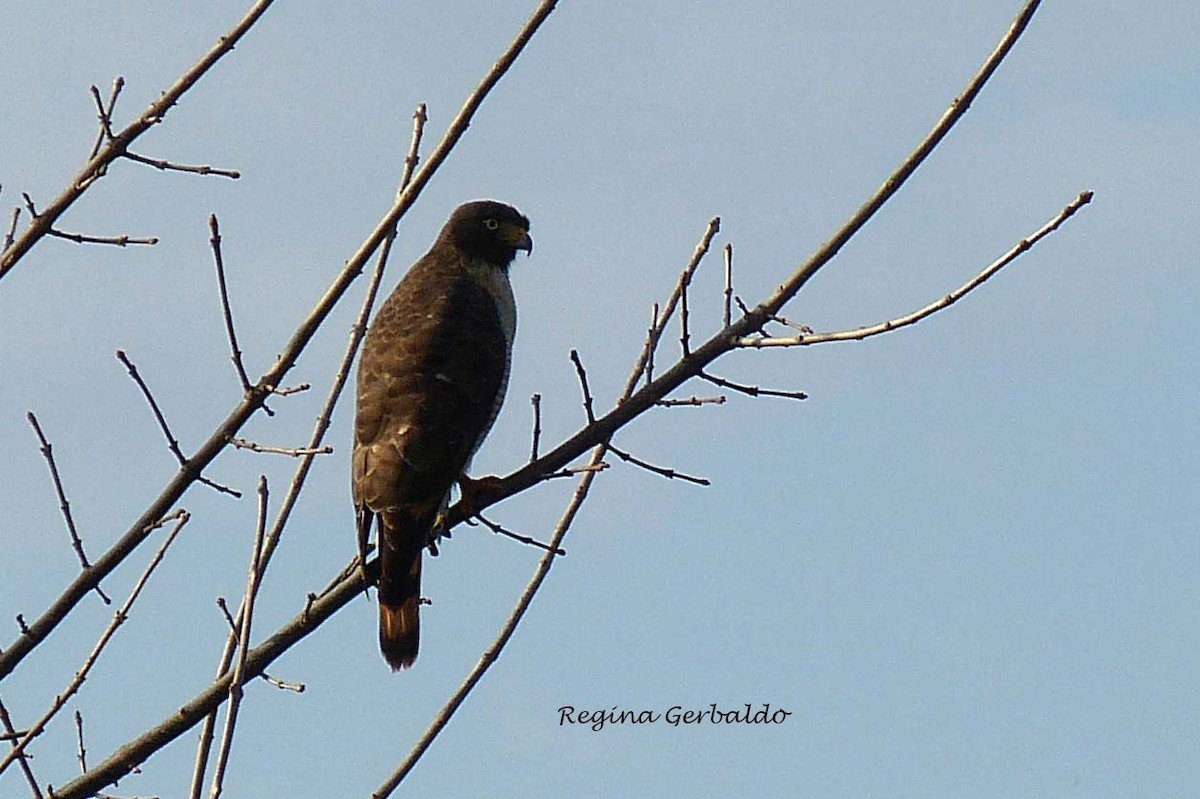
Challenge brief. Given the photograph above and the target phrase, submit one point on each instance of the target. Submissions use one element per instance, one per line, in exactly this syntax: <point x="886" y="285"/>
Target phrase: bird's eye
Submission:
<point x="491" y="224"/>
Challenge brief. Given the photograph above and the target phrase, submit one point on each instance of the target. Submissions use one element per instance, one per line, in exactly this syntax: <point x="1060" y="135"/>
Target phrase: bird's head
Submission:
<point x="489" y="230"/>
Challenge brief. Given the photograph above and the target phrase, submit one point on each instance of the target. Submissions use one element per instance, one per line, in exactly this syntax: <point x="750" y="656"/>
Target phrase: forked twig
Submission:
<point x="172" y="442"/>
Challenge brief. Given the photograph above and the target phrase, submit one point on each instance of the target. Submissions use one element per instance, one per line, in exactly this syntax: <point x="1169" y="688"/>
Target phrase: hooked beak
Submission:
<point x="523" y="241"/>
<point x="518" y="238"/>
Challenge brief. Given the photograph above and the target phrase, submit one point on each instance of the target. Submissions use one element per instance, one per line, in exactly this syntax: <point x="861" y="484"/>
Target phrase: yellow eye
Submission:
<point x="491" y="224"/>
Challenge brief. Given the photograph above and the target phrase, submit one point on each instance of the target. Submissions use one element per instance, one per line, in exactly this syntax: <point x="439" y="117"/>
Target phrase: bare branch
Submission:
<point x="235" y="351"/>
<point x="63" y="504"/>
<point x="288" y="390"/>
<point x="659" y="470"/>
<point x="685" y="280"/>
<point x="81" y="754"/>
<point x="295" y="687"/>
<point x="536" y="402"/>
<point x="122" y="240"/>
<point x="727" y="316"/>
<point x="119" y="617"/>
<point x="172" y="442"/>
<point x="695" y="402"/>
<point x="239" y="671"/>
<point x="119" y="143"/>
<point x="12" y="734"/>
<point x="753" y="391"/>
<point x="651" y="346"/>
<point x="1022" y="247"/>
<point x="195" y="169"/>
<point x="295" y="452"/>
<point x="524" y="539"/>
<point x="82" y="238"/>
<point x="685" y="277"/>
<point x="104" y="114"/>
<point x="12" y="228"/>
<point x="583" y="385"/>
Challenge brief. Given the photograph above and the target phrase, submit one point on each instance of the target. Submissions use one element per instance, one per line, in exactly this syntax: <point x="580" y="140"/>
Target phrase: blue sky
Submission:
<point x="966" y="564"/>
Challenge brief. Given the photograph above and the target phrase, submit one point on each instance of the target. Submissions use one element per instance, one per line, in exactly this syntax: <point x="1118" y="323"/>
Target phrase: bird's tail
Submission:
<point x="402" y="536"/>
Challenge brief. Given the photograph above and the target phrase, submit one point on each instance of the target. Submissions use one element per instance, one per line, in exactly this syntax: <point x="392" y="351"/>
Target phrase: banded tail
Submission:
<point x="402" y="536"/>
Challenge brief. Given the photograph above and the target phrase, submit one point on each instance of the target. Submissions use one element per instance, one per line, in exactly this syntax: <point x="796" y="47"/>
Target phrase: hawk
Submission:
<point x="431" y="379"/>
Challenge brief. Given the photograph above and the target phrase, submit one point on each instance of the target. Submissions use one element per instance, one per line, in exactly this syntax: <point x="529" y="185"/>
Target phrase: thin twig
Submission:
<point x="1023" y="246"/>
<point x="104" y="113"/>
<point x="195" y="169"/>
<point x="672" y="402"/>
<point x="288" y="390"/>
<point x="119" y="143"/>
<point x="524" y="539"/>
<point x="651" y="345"/>
<point x="81" y="754"/>
<point x="117" y="241"/>
<point x="12" y="228"/>
<point x="670" y="474"/>
<point x="753" y="391"/>
<point x="727" y="316"/>
<point x="63" y="504"/>
<point x="12" y="734"/>
<point x="685" y="277"/>
<point x="536" y="402"/>
<point x="226" y="312"/>
<point x="245" y="617"/>
<point x="172" y="442"/>
<point x="583" y="385"/>
<point x="181" y="518"/>
<point x="575" y="471"/>
<point x="294" y="687"/>
<point x="295" y="452"/>
<point x="685" y="280"/>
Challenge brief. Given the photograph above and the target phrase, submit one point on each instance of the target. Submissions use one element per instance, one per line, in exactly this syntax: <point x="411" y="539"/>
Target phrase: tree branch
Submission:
<point x="119" y="143"/>
<point x="1023" y="246"/>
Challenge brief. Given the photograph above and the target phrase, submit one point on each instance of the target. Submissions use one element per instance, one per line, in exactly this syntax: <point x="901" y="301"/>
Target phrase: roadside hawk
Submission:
<point x="431" y="379"/>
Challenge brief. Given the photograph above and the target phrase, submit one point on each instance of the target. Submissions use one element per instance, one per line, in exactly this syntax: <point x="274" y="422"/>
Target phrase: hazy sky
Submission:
<point x="966" y="565"/>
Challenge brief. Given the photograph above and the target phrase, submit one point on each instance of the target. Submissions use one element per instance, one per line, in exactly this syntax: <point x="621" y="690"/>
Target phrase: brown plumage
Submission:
<point x="433" y="373"/>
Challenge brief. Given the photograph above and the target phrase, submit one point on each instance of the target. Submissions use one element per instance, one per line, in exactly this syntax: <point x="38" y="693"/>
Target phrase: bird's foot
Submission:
<point x="476" y="492"/>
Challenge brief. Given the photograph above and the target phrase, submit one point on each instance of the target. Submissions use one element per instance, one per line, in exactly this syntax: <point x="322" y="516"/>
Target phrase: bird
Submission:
<point x="431" y="379"/>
